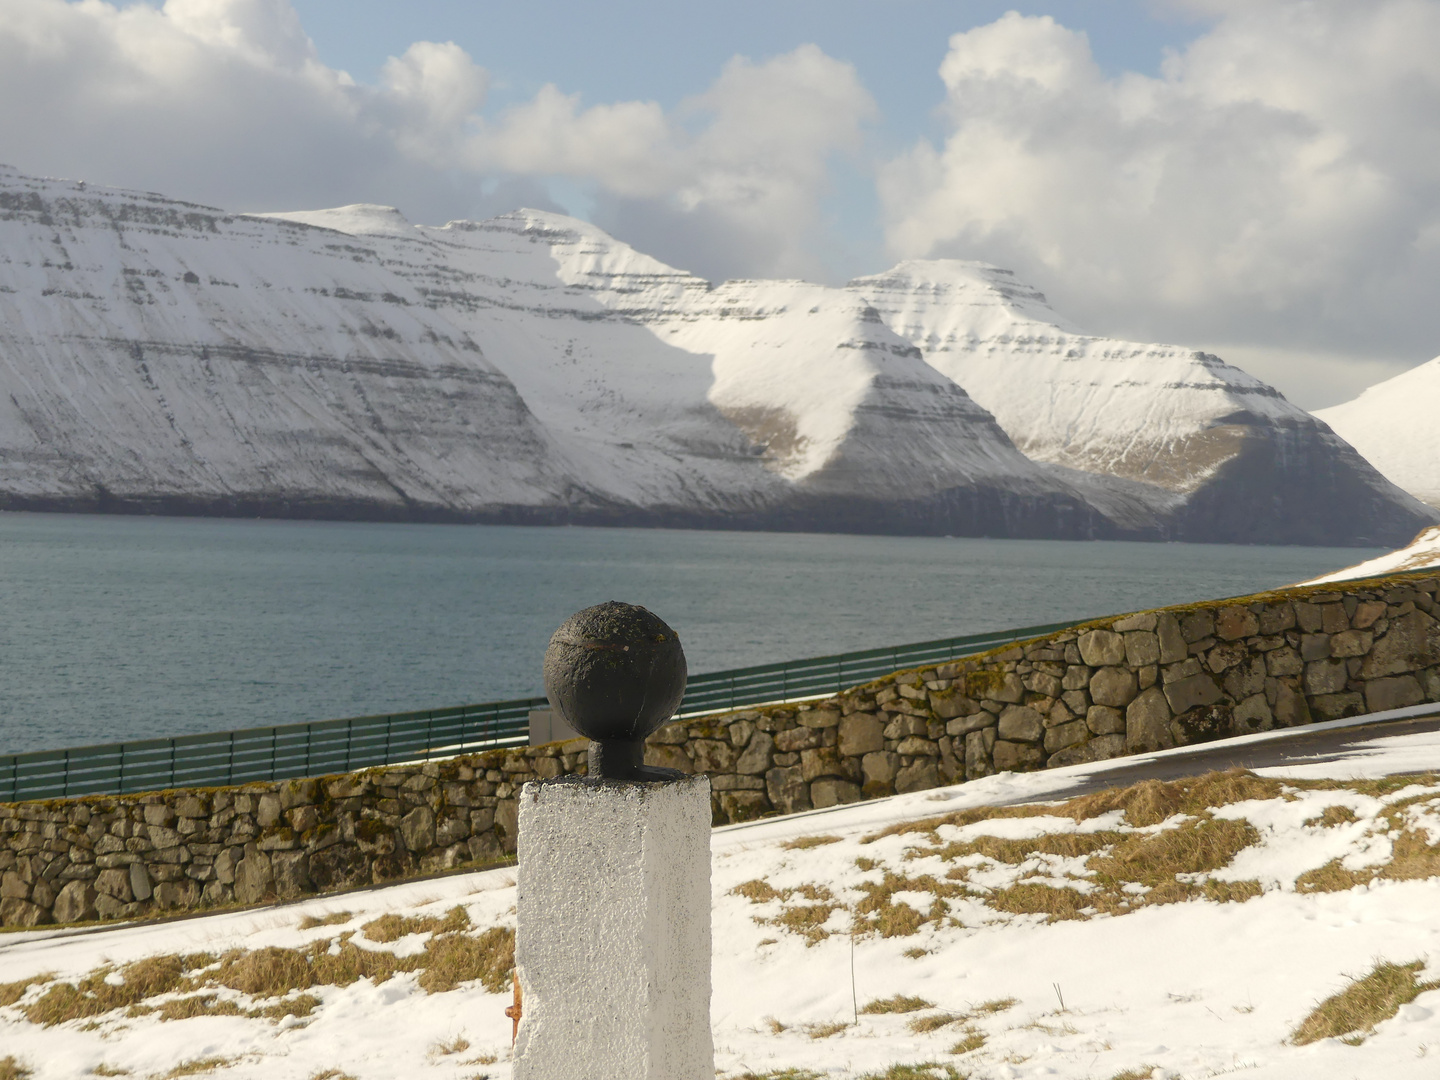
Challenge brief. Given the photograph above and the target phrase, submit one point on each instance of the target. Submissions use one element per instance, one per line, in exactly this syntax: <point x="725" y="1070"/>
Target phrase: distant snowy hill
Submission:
<point x="1396" y="425"/>
<point x="157" y="355"/>
<point x="1223" y="455"/>
<point x="1422" y="553"/>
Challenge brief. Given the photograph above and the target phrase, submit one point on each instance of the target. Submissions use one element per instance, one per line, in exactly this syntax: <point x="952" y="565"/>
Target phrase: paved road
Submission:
<point x="1298" y="748"/>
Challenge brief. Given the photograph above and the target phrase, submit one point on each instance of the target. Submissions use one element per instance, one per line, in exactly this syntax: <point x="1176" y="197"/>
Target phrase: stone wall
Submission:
<point x="1122" y="685"/>
<point x="1116" y="686"/>
<point x="132" y="856"/>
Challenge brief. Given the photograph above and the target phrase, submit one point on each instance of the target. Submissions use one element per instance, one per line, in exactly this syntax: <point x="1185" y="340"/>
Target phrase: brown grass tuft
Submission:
<point x="878" y="913"/>
<point x="784" y="1074"/>
<point x="900" y="1003"/>
<point x="973" y="1040"/>
<point x="756" y="891"/>
<point x="12" y="992"/>
<point x="994" y="1005"/>
<point x="452" y="959"/>
<point x="109" y="1070"/>
<point x="806" y="920"/>
<point x="926" y="1070"/>
<point x="1332" y="877"/>
<point x="199" y="1065"/>
<point x="824" y="1031"/>
<point x="334" y="918"/>
<point x="388" y="928"/>
<point x="1142" y="1072"/>
<point x="11" y="1068"/>
<point x="1038" y="898"/>
<point x="923" y="1025"/>
<point x="93" y="995"/>
<point x="805" y="843"/>
<point x="1364" y="1003"/>
<point x="1232" y="892"/>
<point x="1332" y="816"/>
<point x="331" y="1074"/>
<point x="453" y="1046"/>
<point x="1146" y="803"/>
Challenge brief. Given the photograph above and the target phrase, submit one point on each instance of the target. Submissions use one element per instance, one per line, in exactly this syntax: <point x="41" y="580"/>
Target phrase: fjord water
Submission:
<point x="118" y="628"/>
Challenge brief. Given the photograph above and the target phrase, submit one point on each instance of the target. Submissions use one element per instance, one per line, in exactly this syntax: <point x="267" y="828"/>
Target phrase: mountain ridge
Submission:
<point x="159" y="356"/>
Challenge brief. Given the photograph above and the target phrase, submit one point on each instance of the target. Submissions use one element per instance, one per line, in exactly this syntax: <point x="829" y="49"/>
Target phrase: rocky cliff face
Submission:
<point x="156" y="355"/>
<point x="1214" y="452"/>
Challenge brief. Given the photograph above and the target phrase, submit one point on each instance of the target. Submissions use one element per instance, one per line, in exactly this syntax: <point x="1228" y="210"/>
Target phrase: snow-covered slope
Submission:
<point x="1195" y="927"/>
<point x="157" y="354"/>
<point x="1422" y="553"/>
<point x="1236" y="460"/>
<point x="1396" y="425"/>
<point x="160" y="355"/>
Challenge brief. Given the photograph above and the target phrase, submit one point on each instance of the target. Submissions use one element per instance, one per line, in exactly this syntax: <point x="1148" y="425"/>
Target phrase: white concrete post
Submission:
<point x="613" y="944"/>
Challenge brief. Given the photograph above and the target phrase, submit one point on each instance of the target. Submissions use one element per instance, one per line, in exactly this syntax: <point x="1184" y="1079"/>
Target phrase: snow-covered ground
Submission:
<point x="1422" y="553"/>
<point x="1396" y="425"/>
<point x="1184" y="943"/>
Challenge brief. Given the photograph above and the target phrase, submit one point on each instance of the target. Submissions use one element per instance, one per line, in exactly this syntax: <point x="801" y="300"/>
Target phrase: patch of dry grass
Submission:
<point x="923" y="1025"/>
<point x="994" y="1005"/>
<point x="1364" y="1003"/>
<point x="1201" y="845"/>
<point x="926" y="1070"/>
<point x="109" y="1070"/>
<point x="199" y="1065"/>
<point x="1333" y="816"/>
<point x="451" y="1046"/>
<point x="1143" y="1072"/>
<point x="783" y="1074"/>
<point x="824" y="1031"/>
<point x="1412" y="858"/>
<point x="1147" y="803"/>
<point x="334" y="918"/>
<point x="94" y="994"/>
<point x="1038" y="898"/>
<point x="805" y="843"/>
<point x="331" y="1074"/>
<point x="757" y="891"/>
<point x="388" y="928"/>
<point x="11" y="1068"/>
<point x="878" y="913"/>
<point x="12" y="992"/>
<point x="806" y="920"/>
<point x="973" y="1040"/>
<point x="900" y="1003"/>
<point x="450" y="957"/>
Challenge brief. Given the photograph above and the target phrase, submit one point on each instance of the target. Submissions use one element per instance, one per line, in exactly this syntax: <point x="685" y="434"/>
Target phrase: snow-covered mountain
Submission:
<point x="1396" y="425"/>
<point x="157" y="355"/>
<point x="1221" y="454"/>
<point x="160" y="355"/>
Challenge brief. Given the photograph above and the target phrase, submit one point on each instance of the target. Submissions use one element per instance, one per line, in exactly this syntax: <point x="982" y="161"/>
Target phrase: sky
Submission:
<point x="1258" y="178"/>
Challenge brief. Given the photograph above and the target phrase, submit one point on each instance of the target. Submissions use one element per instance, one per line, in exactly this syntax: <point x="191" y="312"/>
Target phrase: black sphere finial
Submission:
<point x="615" y="672"/>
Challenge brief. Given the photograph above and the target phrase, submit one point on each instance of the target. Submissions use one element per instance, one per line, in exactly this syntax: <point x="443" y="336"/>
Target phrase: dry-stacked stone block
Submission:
<point x="1125" y="685"/>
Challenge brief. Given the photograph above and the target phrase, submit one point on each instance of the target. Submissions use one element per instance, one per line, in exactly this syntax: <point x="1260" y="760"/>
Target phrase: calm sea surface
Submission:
<point x="124" y="627"/>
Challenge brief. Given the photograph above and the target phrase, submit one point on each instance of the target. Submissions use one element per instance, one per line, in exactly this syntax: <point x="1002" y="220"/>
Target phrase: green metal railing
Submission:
<point x="332" y="746"/>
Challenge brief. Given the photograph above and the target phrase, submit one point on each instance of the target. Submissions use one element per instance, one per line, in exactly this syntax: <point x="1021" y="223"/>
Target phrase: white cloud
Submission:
<point x="1276" y="185"/>
<point x="225" y="101"/>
